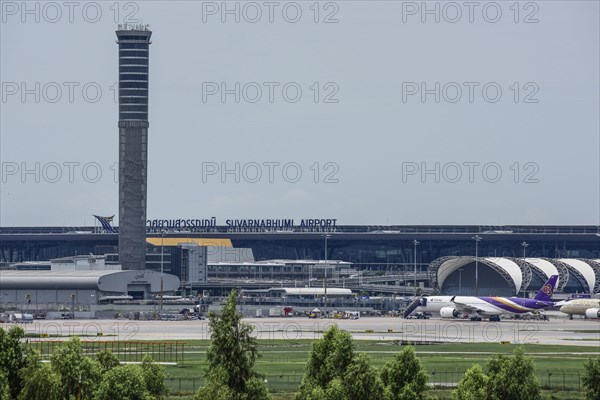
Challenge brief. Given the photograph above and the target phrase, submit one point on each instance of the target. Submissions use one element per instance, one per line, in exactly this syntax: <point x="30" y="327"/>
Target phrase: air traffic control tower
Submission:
<point x="134" y="45"/>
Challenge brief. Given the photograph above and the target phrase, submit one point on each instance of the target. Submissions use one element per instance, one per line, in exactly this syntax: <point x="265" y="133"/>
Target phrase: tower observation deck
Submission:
<point x="134" y="45"/>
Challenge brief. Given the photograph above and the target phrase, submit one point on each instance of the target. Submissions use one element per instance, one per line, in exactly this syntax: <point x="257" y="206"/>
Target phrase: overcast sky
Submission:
<point x="387" y="92"/>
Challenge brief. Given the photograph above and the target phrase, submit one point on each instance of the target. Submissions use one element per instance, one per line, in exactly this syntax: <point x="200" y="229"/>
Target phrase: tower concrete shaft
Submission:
<point x="134" y="45"/>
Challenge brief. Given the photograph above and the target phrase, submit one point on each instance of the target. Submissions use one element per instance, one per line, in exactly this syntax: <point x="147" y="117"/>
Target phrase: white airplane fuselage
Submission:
<point x="587" y="307"/>
<point x="485" y="306"/>
<point x="435" y="304"/>
<point x="489" y="306"/>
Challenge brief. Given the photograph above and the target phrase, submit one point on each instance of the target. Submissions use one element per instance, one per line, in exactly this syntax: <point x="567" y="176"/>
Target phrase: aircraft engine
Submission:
<point x="449" y="312"/>
<point x="593" y="313"/>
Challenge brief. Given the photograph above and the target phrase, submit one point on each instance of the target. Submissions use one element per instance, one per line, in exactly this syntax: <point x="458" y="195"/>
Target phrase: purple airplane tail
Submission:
<point x="545" y="293"/>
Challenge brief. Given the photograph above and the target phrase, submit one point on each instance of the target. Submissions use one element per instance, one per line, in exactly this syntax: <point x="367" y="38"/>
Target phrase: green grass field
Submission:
<point x="282" y="362"/>
<point x="289" y="357"/>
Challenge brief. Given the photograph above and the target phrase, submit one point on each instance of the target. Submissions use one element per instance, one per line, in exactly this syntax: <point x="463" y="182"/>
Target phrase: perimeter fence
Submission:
<point x="170" y="352"/>
<point x="549" y="379"/>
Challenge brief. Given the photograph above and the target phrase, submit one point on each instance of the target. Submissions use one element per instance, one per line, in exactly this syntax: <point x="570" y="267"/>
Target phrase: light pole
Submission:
<point x="416" y="243"/>
<point x="192" y="259"/>
<point x="73" y="305"/>
<point x="162" y="262"/>
<point x="460" y="281"/>
<point x="524" y="244"/>
<point x="325" y="278"/>
<point x="477" y="239"/>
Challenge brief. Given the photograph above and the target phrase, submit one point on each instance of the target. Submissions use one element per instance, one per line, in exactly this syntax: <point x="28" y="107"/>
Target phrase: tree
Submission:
<point x="107" y="360"/>
<point x="329" y="359"/>
<point x="404" y="377"/>
<point x="336" y="390"/>
<point x="231" y="358"/>
<point x="213" y="389"/>
<point x="4" y="388"/>
<point x="75" y="369"/>
<point x="508" y="377"/>
<point x="495" y="364"/>
<point x="125" y="382"/>
<point x="361" y="380"/>
<point x="315" y="393"/>
<point x="41" y="383"/>
<point x="473" y="385"/>
<point x="515" y="379"/>
<point x="334" y="371"/>
<point x="154" y="377"/>
<point x="591" y="379"/>
<point x="13" y="357"/>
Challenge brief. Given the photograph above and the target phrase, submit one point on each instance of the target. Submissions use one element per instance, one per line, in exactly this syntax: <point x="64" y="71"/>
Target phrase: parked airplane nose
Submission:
<point x="564" y="309"/>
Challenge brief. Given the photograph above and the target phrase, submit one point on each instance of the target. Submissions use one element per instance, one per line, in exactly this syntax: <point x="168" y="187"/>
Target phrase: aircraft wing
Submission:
<point x="478" y="308"/>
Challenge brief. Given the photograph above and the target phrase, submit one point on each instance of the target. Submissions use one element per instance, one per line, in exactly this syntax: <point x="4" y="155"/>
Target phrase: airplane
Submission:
<point x="491" y="307"/>
<point x="588" y="307"/>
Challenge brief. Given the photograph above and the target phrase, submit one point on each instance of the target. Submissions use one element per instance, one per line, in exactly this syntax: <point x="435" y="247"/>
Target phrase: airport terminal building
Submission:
<point x="443" y="254"/>
<point x="368" y="246"/>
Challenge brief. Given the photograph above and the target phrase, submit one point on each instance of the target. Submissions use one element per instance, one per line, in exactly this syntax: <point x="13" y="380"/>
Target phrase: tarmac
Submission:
<point x="555" y="331"/>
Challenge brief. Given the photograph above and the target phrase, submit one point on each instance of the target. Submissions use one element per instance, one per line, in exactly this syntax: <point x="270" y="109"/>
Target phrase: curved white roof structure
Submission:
<point x="583" y="268"/>
<point x="516" y="271"/>
<point x="506" y="267"/>
<point x="511" y="267"/>
<point x="545" y="266"/>
<point x="451" y="265"/>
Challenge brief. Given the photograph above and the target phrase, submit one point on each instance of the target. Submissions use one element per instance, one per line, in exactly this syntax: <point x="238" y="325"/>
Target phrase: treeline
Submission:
<point x="334" y="371"/>
<point x="71" y="374"/>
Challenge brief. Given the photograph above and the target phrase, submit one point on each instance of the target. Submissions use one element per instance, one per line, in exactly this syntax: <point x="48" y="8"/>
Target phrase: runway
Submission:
<point x="559" y="331"/>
